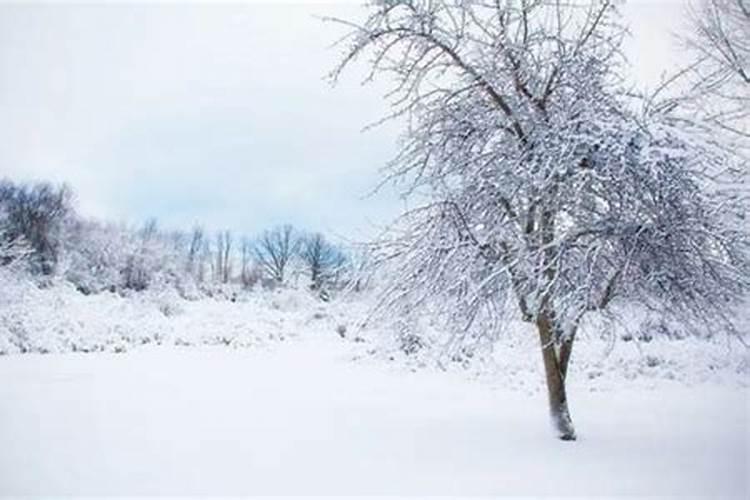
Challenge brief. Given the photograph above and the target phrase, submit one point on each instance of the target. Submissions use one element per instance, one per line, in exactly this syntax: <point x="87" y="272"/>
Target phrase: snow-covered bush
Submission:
<point x="94" y="256"/>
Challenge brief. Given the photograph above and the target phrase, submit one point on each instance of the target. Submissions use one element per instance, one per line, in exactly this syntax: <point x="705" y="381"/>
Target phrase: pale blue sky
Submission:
<point x="213" y="114"/>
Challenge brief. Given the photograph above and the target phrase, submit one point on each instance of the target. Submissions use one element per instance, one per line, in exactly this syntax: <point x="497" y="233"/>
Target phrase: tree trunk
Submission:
<point x="555" y="368"/>
<point x="566" y="348"/>
<point x="315" y="277"/>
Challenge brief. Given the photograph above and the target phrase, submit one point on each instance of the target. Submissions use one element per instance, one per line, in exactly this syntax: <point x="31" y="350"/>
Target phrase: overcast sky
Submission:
<point x="217" y="115"/>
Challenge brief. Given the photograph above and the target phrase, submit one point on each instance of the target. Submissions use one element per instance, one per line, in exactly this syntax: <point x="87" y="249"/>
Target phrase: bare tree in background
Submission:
<point x="223" y="256"/>
<point x="248" y="275"/>
<point x="274" y="249"/>
<point x="36" y="214"/>
<point x="194" y="251"/>
<point x="721" y="41"/>
<point x="542" y="186"/>
<point x="321" y="258"/>
<point x="204" y="257"/>
<point x="138" y="271"/>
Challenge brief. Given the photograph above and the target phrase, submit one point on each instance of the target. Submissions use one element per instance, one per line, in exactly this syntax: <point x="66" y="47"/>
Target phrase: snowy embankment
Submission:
<point x="59" y="319"/>
<point x="279" y="393"/>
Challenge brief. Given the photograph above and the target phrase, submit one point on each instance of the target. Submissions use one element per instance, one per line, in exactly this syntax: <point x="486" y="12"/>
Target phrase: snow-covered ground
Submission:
<point x="279" y="393"/>
<point x="302" y="418"/>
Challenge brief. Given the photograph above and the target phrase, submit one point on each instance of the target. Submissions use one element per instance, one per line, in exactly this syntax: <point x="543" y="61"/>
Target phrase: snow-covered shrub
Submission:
<point x="169" y="305"/>
<point x="100" y="257"/>
<point x="659" y="326"/>
<point x="341" y="330"/>
<point x="94" y="256"/>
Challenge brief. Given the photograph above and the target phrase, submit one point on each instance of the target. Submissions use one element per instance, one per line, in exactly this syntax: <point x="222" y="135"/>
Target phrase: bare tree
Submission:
<point x="321" y="258"/>
<point x="194" y="249"/>
<point x="542" y="187"/>
<point x="248" y="275"/>
<point x="140" y="265"/>
<point x="204" y="256"/>
<point x="223" y="256"/>
<point x="720" y="39"/>
<point x="274" y="249"/>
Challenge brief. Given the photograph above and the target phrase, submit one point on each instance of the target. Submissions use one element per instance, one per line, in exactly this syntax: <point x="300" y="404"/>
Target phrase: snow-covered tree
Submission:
<point x="14" y="250"/>
<point x="357" y="271"/>
<point x="95" y="255"/>
<point x="36" y="214"/>
<point x="223" y="256"/>
<point x="541" y="185"/>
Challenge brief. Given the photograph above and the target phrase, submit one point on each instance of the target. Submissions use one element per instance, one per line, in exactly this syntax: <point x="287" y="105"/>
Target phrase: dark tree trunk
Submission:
<point x="315" y="277"/>
<point x="555" y="368"/>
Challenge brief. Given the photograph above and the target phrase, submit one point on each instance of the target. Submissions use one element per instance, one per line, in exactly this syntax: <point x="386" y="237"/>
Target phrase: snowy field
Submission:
<point x="304" y="411"/>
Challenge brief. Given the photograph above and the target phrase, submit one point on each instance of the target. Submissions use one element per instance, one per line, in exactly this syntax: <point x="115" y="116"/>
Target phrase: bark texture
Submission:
<point x="556" y="355"/>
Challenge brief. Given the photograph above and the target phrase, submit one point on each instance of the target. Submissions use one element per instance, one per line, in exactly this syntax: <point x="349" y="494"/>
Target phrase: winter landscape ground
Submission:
<point x="265" y="396"/>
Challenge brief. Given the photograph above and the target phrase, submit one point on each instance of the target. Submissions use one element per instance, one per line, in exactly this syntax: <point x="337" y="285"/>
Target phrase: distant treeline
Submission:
<point x="42" y="234"/>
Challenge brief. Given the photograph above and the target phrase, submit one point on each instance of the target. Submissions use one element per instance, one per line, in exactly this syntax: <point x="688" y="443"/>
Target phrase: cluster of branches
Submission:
<point x="720" y="40"/>
<point x="545" y="181"/>
<point x="40" y="228"/>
